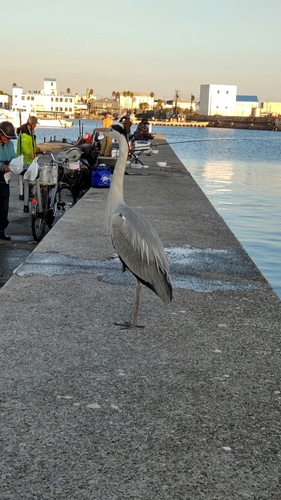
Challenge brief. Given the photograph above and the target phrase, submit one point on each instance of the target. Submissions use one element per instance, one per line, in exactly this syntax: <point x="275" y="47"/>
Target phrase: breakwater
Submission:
<point x="234" y="122"/>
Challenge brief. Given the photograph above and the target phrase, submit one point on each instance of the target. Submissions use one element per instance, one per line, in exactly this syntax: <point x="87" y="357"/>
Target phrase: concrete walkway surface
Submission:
<point x="187" y="407"/>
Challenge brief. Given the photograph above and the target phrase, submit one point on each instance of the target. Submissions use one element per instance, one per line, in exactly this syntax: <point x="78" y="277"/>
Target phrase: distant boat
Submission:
<point x="54" y="123"/>
<point x="13" y="116"/>
<point x="50" y="120"/>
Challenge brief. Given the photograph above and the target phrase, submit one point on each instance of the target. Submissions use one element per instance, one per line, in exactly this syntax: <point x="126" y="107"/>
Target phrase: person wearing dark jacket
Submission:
<point x="142" y="132"/>
<point x="127" y="124"/>
<point x="7" y="153"/>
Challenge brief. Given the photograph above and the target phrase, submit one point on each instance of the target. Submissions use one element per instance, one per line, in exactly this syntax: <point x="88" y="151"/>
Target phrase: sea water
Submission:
<point x="239" y="171"/>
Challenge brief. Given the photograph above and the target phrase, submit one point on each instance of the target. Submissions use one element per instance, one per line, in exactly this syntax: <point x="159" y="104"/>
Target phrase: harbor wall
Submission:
<point x="234" y="122"/>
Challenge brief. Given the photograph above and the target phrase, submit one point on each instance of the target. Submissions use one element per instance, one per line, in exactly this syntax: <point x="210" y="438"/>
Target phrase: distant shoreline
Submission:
<point x="232" y="122"/>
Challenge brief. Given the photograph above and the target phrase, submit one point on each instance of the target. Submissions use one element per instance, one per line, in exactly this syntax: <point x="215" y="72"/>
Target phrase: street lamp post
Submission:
<point x="176" y="103"/>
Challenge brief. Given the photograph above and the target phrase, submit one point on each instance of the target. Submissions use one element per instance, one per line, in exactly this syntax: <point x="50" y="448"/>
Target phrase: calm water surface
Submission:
<point x="240" y="172"/>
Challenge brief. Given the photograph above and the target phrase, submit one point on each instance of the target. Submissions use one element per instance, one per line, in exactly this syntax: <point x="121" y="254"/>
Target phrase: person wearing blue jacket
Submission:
<point x="7" y="153"/>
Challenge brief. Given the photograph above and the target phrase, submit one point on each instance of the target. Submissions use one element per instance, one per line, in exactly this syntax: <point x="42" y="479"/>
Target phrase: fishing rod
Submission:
<point x="207" y="140"/>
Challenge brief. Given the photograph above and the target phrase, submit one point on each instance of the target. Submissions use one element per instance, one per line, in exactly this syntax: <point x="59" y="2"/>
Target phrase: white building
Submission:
<point x="217" y="100"/>
<point x="5" y="101"/>
<point x="133" y="100"/>
<point x="247" y="105"/>
<point x="223" y="100"/>
<point x="47" y="100"/>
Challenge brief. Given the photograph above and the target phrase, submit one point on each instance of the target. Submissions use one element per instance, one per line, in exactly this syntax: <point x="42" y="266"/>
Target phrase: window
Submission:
<point x="218" y="91"/>
<point x="227" y="91"/>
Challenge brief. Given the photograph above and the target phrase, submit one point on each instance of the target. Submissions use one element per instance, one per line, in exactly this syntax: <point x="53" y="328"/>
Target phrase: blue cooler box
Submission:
<point x="101" y="177"/>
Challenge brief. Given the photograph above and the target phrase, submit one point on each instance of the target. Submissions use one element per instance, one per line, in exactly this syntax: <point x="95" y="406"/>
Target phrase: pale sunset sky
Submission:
<point x="142" y="46"/>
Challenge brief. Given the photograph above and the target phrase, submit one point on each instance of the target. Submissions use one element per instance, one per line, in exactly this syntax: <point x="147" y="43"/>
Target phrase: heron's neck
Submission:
<point x="118" y="175"/>
<point x="115" y="195"/>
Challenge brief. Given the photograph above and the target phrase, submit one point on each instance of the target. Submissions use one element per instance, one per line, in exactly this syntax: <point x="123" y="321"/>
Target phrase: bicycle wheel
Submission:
<point x="81" y="184"/>
<point x="64" y="197"/>
<point x="38" y="220"/>
<point x="51" y="207"/>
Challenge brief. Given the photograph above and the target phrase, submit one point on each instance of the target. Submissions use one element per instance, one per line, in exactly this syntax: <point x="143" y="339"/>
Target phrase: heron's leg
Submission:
<point x="135" y="320"/>
<point x="137" y="303"/>
<point x="125" y="326"/>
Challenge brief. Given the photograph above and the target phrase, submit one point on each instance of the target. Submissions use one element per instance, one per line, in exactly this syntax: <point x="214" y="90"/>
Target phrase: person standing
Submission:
<point x="106" y="144"/>
<point x="26" y="146"/>
<point x="126" y="120"/>
<point x="7" y="153"/>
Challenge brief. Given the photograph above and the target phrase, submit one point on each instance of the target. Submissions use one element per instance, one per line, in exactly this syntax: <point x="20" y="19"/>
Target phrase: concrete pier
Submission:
<point x="187" y="407"/>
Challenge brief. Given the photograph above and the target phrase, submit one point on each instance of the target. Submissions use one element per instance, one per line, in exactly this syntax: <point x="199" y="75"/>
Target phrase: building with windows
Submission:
<point x="134" y="100"/>
<point x="218" y="100"/>
<point x="47" y="100"/>
<point x="247" y="105"/>
<point x="5" y="101"/>
<point x="223" y="100"/>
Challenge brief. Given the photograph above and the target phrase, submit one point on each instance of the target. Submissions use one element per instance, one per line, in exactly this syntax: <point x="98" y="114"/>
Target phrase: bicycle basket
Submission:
<point x="48" y="174"/>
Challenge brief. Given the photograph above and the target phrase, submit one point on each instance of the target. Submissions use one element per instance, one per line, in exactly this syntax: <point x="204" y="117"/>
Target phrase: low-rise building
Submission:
<point x="247" y="105"/>
<point x="217" y="100"/>
<point x="5" y="101"/>
<point x="272" y="108"/>
<point x="182" y="104"/>
<point x="134" y="100"/>
<point x="223" y="100"/>
<point x="46" y="100"/>
<point x="105" y="105"/>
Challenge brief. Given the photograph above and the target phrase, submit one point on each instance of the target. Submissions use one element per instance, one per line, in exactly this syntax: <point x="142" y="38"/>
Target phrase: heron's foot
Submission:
<point x="126" y="326"/>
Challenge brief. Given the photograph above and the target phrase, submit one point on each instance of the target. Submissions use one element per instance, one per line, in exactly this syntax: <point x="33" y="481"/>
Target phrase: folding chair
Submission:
<point x="136" y="149"/>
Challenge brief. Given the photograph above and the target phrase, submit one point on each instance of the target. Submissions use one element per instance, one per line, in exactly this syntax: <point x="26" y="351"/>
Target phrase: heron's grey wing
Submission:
<point x="140" y="248"/>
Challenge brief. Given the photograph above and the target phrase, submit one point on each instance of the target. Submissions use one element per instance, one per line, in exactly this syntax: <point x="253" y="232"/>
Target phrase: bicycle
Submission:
<point x="45" y="197"/>
<point x="43" y="192"/>
<point x="57" y="182"/>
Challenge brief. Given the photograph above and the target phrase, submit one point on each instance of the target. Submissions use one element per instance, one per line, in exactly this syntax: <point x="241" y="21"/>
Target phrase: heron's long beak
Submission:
<point x="103" y="129"/>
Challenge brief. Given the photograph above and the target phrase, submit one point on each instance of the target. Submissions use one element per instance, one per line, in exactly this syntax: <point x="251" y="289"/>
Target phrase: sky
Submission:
<point x="142" y="46"/>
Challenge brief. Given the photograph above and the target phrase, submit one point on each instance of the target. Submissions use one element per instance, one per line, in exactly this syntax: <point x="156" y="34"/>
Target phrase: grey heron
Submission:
<point x="136" y="242"/>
